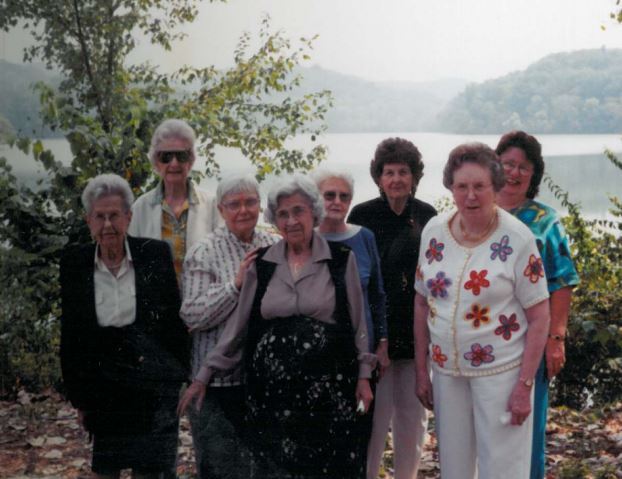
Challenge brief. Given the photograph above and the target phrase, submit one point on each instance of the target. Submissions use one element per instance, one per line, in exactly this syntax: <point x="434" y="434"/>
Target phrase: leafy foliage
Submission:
<point x="576" y="92"/>
<point x="107" y="110"/>
<point x="593" y="371"/>
<point x="592" y="374"/>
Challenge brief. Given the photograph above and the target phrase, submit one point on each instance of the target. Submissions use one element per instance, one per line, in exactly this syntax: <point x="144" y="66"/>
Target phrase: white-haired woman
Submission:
<point x="214" y="271"/>
<point x="300" y="323"/>
<point x="175" y="211"/>
<point x="337" y="189"/>
<point x="123" y="346"/>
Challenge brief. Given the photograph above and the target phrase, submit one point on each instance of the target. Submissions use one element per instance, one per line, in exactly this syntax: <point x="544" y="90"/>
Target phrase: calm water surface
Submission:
<point x="575" y="162"/>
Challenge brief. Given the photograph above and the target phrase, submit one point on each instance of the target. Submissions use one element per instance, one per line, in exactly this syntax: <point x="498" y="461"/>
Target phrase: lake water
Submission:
<point x="575" y="162"/>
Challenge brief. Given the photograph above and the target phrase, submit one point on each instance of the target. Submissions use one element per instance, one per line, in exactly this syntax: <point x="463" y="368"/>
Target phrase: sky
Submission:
<point x="395" y="40"/>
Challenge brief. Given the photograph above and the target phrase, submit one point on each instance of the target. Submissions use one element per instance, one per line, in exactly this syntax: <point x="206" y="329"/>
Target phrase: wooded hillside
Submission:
<point x="576" y="92"/>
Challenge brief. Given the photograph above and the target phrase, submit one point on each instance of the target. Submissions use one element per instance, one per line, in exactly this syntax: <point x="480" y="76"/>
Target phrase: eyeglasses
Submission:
<point x="464" y="188"/>
<point x="331" y="195"/>
<point x="183" y="156"/>
<point x="112" y="218"/>
<point x="522" y="169"/>
<point x="235" y="205"/>
<point x="295" y="212"/>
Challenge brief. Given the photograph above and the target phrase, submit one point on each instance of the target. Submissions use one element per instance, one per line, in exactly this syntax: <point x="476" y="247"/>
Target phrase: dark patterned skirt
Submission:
<point x="148" y="443"/>
<point x="301" y="383"/>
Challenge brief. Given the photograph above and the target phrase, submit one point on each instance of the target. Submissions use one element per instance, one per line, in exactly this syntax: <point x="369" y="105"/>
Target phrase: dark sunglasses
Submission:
<point x="183" y="156"/>
<point x="331" y="195"/>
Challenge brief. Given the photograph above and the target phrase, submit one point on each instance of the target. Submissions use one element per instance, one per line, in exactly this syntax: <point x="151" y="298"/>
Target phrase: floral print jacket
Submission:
<point x="477" y="296"/>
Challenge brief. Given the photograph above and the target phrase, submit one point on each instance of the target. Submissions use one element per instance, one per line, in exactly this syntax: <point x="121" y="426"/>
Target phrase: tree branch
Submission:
<point x="89" y="71"/>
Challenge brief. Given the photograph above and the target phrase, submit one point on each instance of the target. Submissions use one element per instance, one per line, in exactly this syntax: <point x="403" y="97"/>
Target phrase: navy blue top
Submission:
<point x="363" y="244"/>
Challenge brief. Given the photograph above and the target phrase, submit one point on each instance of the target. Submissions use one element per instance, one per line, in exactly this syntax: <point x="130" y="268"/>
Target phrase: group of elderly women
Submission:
<point x="296" y="336"/>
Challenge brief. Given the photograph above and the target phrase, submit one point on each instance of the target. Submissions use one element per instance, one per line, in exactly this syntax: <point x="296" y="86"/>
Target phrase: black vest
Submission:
<point x="337" y="266"/>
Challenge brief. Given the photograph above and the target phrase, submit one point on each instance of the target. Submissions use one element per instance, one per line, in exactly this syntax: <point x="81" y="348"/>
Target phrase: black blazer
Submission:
<point x="116" y="374"/>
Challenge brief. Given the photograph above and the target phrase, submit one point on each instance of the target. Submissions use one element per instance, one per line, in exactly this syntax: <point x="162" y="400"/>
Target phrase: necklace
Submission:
<point x="468" y="236"/>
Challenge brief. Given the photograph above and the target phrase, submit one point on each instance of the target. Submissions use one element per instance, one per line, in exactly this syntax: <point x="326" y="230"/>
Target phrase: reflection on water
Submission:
<point x="575" y="162"/>
<point x="589" y="180"/>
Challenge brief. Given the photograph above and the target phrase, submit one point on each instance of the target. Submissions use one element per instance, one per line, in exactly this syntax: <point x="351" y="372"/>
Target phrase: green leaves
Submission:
<point x="594" y="345"/>
<point x="107" y="110"/>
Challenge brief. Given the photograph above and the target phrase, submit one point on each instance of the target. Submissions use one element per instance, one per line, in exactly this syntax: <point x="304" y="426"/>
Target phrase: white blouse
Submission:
<point x="477" y="296"/>
<point x="115" y="296"/>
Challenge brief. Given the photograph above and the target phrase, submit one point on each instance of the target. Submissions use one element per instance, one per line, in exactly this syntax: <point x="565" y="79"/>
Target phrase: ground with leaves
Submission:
<point x="40" y="437"/>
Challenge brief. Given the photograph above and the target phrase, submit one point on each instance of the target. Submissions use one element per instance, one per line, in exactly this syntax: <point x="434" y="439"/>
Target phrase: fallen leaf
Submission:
<point x="78" y="462"/>
<point x="55" y="441"/>
<point x="36" y="441"/>
<point x="18" y="426"/>
<point x="23" y="397"/>
<point x="66" y="412"/>
<point x="53" y="454"/>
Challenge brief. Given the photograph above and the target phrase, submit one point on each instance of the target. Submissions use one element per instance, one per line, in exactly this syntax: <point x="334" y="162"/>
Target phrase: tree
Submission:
<point x="107" y="110"/>
<point x="592" y="375"/>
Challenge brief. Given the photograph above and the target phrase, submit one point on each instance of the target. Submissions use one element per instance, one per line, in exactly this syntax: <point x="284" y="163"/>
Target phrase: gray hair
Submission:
<point x="291" y="185"/>
<point x="107" y="184"/>
<point x="172" y="129"/>
<point x="323" y="174"/>
<point x="236" y="184"/>
<point x="476" y="153"/>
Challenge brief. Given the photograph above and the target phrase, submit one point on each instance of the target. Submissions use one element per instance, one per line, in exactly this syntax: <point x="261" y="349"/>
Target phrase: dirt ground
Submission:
<point x="40" y="437"/>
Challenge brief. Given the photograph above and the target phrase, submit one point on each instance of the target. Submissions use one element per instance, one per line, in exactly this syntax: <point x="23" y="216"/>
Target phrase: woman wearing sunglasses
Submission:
<point x="337" y="189"/>
<point x="175" y="211"/>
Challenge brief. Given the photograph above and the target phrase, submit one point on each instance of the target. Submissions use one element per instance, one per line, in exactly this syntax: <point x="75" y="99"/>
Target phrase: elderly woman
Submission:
<point x="175" y="211"/>
<point x="300" y="322"/>
<point x="521" y="157"/>
<point x="123" y="346"/>
<point x="396" y="218"/>
<point x="337" y="189"/>
<point x="482" y="315"/>
<point x="214" y="271"/>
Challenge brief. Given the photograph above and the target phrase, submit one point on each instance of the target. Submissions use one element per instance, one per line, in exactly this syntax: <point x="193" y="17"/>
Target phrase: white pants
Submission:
<point x="397" y="404"/>
<point x="473" y="429"/>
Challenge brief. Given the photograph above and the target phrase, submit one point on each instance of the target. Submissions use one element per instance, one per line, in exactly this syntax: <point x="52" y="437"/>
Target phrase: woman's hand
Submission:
<point x="555" y="353"/>
<point x="382" y="353"/>
<point x="195" y="390"/>
<point x="519" y="404"/>
<point x="423" y="384"/>
<point x="423" y="389"/>
<point x="244" y="265"/>
<point x="363" y="393"/>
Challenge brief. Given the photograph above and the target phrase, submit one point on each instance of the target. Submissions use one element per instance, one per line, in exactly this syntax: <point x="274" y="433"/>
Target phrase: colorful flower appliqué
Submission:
<point x="508" y="325"/>
<point x="534" y="270"/>
<point x="479" y="354"/>
<point x="478" y="315"/>
<point x="477" y="281"/>
<point x="435" y="251"/>
<point x="502" y="249"/>
<point x="438" y="356"/>
<point x="438" y="285"/>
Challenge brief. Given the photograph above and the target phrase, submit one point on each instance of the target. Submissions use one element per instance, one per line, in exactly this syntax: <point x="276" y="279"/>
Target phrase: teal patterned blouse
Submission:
<point x="544" y="223"/>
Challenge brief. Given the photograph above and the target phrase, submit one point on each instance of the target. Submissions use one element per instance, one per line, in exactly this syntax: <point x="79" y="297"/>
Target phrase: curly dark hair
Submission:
<point x="479" y="154"/>
<point x="397" y="150"/>
<point x="533" y="152"/>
